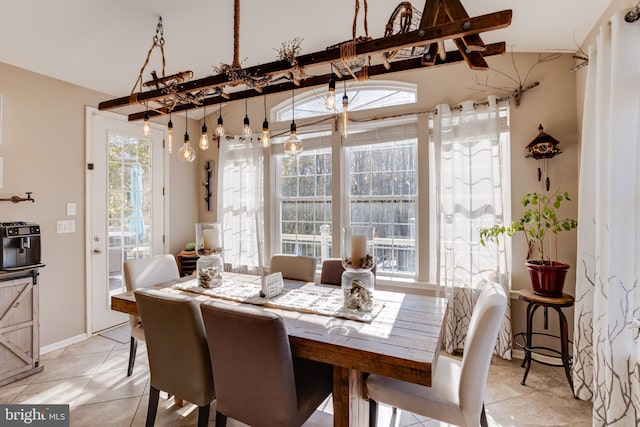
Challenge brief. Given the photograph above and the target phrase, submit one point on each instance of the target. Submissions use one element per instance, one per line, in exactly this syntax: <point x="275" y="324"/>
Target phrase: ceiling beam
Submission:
<point x="426" y="35"/>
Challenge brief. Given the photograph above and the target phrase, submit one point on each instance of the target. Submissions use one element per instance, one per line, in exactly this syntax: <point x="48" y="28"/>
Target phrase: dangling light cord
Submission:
<point x="170" y="135"/>
<point x="220" y="127"/>
<point x="246" y="130"/>
<point x="330" y="102"/>
<point x="345" y="113"/>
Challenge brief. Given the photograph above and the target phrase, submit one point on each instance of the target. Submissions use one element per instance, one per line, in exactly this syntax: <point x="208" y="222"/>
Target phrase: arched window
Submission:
<point x="362" y="96"/>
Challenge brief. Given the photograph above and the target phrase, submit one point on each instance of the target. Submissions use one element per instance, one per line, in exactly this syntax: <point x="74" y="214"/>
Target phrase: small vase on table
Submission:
<point x="209" y="249"/>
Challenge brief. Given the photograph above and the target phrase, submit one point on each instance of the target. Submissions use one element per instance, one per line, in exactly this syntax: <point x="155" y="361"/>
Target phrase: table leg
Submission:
<point x="564" y="349"/>
<point x="349" y="406"/>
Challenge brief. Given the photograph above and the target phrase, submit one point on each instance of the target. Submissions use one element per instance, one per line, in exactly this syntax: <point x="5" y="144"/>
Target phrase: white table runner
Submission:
<point x="308" y="299"/>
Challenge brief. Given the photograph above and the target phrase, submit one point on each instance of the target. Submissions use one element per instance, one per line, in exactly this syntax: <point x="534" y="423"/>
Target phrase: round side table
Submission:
<point x="534" y="302"/>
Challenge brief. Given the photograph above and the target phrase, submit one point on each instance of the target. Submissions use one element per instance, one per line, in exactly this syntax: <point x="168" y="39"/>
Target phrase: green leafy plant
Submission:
<point x="538" y="221"/>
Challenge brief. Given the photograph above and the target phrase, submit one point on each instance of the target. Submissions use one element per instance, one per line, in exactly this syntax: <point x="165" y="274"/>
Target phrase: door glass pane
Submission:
<point x="129" y="204"/>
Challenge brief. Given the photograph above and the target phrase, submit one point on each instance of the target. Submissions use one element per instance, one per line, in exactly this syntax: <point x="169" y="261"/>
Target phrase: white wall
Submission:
<point x="44" y="152"/>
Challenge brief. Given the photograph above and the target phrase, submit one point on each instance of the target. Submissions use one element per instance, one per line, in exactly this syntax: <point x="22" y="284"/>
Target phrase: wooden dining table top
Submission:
<point x="402" y="341"/>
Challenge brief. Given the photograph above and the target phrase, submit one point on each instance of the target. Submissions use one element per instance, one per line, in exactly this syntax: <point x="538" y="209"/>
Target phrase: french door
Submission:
<point x="125" y="207"/>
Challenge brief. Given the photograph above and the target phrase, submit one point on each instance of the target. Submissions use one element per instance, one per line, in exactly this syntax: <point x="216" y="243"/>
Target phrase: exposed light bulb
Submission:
<point x="186" y="152"/>
<point x="246" y="130"/>
<point x="204" y="138"/>
<point x="146" y="127"/>
<point x="345" y="116"/>
<point x="293" y="145"/>
<point x="330" y="102"/>
<point x="220" y="127"/>
<point x="170" y="136"/>
<point x="265" y="139"/>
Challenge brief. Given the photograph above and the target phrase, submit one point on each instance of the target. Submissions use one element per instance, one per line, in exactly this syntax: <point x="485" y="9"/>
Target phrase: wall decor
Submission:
<point x="208" y="171"/>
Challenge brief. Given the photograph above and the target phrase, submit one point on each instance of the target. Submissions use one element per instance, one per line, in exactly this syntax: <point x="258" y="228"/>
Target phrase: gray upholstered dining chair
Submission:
<point x="294" y="267"/>
<point x="332" y="269"/>
<point x="179" y="361"/>
<point x="258" y="381"/>
<point x="142" y="273"/>
<point x="457" y="391"/>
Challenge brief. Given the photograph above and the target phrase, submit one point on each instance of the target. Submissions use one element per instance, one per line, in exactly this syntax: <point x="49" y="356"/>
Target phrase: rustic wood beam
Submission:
<point x="422" y="36"/>
<point x="376" y="70"/>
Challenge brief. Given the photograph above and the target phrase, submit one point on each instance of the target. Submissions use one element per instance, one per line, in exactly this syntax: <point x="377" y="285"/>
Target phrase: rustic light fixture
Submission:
<point x="220" y="127"/>
<point x="246" y="129"/>
<point x="330" y="102"/>
<point x="186" y="152"/>
<point x="293" y="145"/>
<point x="441" y="20"/>
<point x="265" y="140"/>
<point x="345" y="113"/>
<point x="170" y="135"/>
<point x="543" y="148"/>
<point x="204" y="137"/>
<point x="146" y="127"/>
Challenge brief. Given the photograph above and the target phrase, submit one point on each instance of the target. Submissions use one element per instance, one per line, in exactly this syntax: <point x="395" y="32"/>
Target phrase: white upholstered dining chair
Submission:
<point x="457" y="391"/>
<point x="294" y="267"/>
<point x="142" y="273"/>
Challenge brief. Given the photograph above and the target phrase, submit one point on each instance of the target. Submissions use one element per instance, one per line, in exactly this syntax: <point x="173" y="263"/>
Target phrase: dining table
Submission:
<point x="400" y="339"/>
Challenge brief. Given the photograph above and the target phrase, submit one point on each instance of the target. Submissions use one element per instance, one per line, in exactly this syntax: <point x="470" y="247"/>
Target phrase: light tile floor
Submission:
<point x="91" y="377"/>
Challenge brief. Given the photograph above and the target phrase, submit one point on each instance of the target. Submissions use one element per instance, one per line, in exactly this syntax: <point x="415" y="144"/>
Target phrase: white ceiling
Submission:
<point x="102" y="44"/>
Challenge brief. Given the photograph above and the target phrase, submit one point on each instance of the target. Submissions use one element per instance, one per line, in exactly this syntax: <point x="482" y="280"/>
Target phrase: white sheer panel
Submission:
<point x="606" y="352"/>
<point x="241" y="205"/>
<point x="471" y="171"/>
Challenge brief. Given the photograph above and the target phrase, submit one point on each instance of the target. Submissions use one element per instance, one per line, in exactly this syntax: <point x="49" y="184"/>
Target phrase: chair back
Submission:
<point x="145" y="272"/>
<point x="332" y="270"/>
<point x="252" y="364"/>
<point x="294" y="267"/>
<point x="179" y="360"/>
<point x="484" y="327"/>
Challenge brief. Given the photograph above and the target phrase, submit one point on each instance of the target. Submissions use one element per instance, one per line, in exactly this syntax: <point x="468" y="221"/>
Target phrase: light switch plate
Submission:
<point x="71" y="209"/>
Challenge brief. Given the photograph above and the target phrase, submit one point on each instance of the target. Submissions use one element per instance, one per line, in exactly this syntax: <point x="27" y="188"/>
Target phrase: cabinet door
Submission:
<point x="19" y="349"/>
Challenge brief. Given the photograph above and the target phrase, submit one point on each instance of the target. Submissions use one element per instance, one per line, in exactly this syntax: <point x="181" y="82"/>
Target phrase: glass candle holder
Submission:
<point x="357" y="247"/>
<point x="208" y="238"/>
<point x="357" y="289"/>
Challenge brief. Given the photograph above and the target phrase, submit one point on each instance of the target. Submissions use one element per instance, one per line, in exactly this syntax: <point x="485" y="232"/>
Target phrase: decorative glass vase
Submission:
<point x="208" y="238"/>
<point x="209" y="271"/>
<point x="358" y="281"/>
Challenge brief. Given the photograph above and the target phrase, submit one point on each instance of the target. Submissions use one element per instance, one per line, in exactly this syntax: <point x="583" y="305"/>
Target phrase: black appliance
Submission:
<point x="20" y="245"/>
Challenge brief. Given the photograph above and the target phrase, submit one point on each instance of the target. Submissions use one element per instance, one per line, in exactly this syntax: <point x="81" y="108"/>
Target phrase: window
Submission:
<point x="383" y="192"/>
<point x="362" y="96"/>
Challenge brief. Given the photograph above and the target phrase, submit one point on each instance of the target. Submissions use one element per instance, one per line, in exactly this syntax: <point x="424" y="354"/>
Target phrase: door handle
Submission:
<point x="97" y="251"/>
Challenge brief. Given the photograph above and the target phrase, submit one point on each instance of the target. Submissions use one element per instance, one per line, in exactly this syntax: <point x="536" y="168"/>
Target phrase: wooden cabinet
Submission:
<point x="187" y="261"/>
<point x="19" y="325"/>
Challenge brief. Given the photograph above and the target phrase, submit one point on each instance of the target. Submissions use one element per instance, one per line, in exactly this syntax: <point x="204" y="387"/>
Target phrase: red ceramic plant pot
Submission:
<point x="547" y="279"/>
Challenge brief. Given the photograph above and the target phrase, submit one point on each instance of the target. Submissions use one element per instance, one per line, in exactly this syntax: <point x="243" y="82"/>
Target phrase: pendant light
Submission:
<point x="330" y="102"/>
<point x="265" y="140"/>
<point x="220" y="127"/>
<point x="204" y="137"/>
<point x="293" y="145"/>
<point x="345" y="113"/>
<point x="170" y="135"/>
<point x="246" y="130"/>
<point x="186" y="152"/>
<point x="146" y="127"/>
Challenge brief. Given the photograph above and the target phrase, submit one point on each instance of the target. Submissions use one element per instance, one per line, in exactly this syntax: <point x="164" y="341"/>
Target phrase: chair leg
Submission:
<point x="203" y="415"/>
<point x="483" y="418"/>
<point x="154" y="396"/>
<point x="132" y="355"/>
<point x="373" y="413"/>
<point x="221" y="419"/>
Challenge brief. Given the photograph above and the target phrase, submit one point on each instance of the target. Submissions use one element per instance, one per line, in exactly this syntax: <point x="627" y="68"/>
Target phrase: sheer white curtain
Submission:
<point x="240" y="206"/>
<point x="607" y="290"/>
<point x="470" y="147"/>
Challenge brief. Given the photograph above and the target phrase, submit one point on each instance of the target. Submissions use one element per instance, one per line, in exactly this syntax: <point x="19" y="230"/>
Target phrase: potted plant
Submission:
<point x="539" y="220"/>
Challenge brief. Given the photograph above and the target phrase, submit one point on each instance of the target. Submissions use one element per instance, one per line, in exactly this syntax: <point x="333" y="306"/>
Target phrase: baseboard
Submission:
<point x="60" y="344"/>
